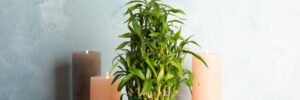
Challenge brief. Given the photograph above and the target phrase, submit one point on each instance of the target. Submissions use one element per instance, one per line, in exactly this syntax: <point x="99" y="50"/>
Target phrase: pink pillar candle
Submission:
<point x="209" y="79"/>
<point x="101" y="88"/>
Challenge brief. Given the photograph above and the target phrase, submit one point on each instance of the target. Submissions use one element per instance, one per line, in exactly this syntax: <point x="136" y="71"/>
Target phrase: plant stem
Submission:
<point x="158" y="91"/>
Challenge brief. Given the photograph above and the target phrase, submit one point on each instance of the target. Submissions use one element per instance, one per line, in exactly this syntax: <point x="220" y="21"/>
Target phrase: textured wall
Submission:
<point x="38" y="37"/>
<point x="257" y="38"/>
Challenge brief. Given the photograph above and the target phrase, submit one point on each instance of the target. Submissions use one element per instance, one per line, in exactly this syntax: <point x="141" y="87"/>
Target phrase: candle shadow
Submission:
<point x="63" y="80"/>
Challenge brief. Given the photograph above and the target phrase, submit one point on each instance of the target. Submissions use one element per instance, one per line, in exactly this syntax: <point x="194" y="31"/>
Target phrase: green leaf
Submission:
<point x="183" y="58"/>
<point x="154" y="34"/>
<point x="179" y="68"/>
<point x="123" y="62"/>
<point x="177" y="35"/>
<point x="178" y="21"/>
<point x="182" y="44"/>
<point x="124" y="81"/>
<point x="148" y="74"/>
<point x="130" y="28"/>
<point x="132" y="8"/>
<point x="121" y="97"/>
<point x="142" y="51"/>
<point x="119" y="72"/>
<point x="138" y="73"/>
<point x="170" y="83"/>
<point x="197" y="56"/>
<point x="187" y="82"/>
<point x="191" y="91"/>
<point x="177" y="16"/>
<point x="172" y="62"/>
<point x="116" y="78"/>
<point x="187" y="39"/>
<point x="135" y="24"/>
<point x="181" y="38"/>
<point x="168" y="6"/>
<point x="151" y="66"/>
<point x="177" y="11"/>
<point x="165" y="28"/>
<point x="168" y="76"/>
<point x="113" y="67"/>
<point x="194" y="42"/>
<point x="135" y="1"/>
<point x="126" y="35"/>
<point x="128" y="20"/>
<point x="121" y="68"/>
<point x="128" y="59"/>
<point x="161" y="74"/>
<point x="146" y="86"/>
<point x="122" y="45"/>
<point x="153" y="46"/>
<point x="190" y="74"/>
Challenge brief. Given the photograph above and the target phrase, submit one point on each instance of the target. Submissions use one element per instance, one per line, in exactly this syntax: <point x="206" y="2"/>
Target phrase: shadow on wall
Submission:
<point x="62" y="80"/>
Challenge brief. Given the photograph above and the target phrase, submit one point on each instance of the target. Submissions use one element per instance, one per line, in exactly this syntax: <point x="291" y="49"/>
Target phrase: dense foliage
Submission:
<point x="151" y="63"/>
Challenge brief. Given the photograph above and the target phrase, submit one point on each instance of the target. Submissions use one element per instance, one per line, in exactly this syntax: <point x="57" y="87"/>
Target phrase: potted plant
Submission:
<point x="151" y="63"/>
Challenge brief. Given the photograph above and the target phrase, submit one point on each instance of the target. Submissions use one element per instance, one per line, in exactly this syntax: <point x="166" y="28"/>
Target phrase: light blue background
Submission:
<point x="259" y="41"/>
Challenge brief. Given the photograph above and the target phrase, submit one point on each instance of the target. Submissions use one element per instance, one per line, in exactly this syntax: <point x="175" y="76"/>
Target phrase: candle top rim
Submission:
<point x="84" y="52"/>
<point x="210" y="53"/>
<point x="100" y="77"/>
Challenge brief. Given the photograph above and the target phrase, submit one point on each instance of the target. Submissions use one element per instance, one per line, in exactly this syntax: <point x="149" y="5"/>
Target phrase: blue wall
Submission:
<point x="37" y="38"/>
<point x="259" y="41"/>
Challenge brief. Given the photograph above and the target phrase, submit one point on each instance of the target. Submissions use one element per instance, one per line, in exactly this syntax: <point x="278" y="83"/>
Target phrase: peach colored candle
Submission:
<point x="101" y="88"/>
<point x="209" y="87"/>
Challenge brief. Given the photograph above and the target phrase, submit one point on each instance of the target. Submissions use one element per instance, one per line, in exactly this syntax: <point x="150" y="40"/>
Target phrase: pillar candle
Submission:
<point x="85" y="65"/>
<point x="209" y="79"/>
<point x="101" y="88"/>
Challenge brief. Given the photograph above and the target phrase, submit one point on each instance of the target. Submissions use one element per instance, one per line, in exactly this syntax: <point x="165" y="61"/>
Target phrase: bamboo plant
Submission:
<point x="151" y="61"/>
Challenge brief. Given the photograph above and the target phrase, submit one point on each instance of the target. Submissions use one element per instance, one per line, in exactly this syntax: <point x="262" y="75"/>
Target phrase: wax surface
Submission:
<point x="85" y="65"/>
<point x="209" y="79"/>
<point x="101" y="88"/>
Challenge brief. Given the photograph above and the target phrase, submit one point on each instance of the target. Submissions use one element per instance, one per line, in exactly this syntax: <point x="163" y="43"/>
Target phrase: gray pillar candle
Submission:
<point x="85" y="65"/>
